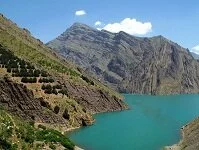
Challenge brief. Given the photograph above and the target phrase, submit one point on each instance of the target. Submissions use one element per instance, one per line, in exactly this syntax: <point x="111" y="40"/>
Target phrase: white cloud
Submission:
<point x="195" y="49"/>
<point x="130" y="26"/>
<point x="80" y="12"/>
<point x="98" y="23"/>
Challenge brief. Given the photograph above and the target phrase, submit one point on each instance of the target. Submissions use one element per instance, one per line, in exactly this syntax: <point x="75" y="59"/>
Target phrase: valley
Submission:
<point x="73" y="79"/>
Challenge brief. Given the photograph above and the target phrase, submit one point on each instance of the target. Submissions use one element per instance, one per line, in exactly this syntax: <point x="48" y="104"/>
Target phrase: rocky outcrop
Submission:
<point x="190" y="136"/>
<point x="130" y="64"/>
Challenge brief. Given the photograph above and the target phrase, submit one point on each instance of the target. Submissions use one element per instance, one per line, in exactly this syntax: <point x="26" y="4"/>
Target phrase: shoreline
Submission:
<point x="77" y="148"/>
<point x="177" y="146"/>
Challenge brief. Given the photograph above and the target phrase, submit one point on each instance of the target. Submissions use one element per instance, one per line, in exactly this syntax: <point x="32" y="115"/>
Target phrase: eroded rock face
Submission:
<point x="19" y="100"/>
<point x="130" y="64"/>
<point x="94" y="100"/>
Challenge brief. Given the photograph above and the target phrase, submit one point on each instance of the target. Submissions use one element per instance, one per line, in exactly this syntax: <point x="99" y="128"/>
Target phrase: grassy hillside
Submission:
<point x="18" y="134"/>
<point x="33" y="50"/>
<point x="67" y="94"/>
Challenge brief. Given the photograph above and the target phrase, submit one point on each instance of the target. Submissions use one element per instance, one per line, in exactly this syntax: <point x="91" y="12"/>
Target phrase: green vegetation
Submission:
<point x="36" y="54"/>
<point x="29" y="80"/>
<point x="18" y="134"/>
<point x="46" y="80"/>
<point x="48" y="89"/>
<point x="51" y="135"/>
<point x="23" y="45"/>
<point x="87" y="80"/>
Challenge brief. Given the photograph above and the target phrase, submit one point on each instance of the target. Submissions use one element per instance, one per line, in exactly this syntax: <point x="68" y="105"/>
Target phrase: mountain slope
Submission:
<point x="190" y="135"/>
<point x="16" y="133"/>
<point x="57" y="86"/>
<point x="196" y="56"/>
<point x="130" y="64"/>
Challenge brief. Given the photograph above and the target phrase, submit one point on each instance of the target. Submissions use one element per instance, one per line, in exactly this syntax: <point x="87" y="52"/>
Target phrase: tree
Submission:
<point x="24" y="80"/>
<point x="44" y="74"/>
<point x="9" y="70"/>
<point x="36" y="73"/>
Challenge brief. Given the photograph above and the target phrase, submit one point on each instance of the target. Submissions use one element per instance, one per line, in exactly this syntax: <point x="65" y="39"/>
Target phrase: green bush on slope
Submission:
<point x="13" y="129"/>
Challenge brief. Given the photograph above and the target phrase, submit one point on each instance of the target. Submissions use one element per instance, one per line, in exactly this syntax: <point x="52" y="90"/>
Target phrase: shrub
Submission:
<point x="48" y="86"/>
<point x="63" y="91"/>
<point x="22" y="64"/>
<point x="41" y="127"/>
<point x="12" y="64"/>
<point x="51" y="80"/>
<point x="44" y="74"/>
<point x="34" y="80"/>
<point x="30" y="73"/>
<point x="14" y="147"/>
<point x="43" y="87"/>
<point x="15" y="70"/>
<point x="36" y="73"/>
<point x="56" y="109"/>
<point x="4" y="144"/>
<point x="30" y="135"/>
<point x="53" y="147"/>
<point x="46" y="80"/>
<point x="48" y="91"/>
<point x="54" y="91"/>
<point x="23" y="72"/>
<point x="87" y="80"/>
<point x="51" y="135"/>
<point x="58" y="86"/>
<point x="29" y="80"/>
<point x="29" y="66"/>
<point x="24" y="80"/>
<point x="9" y="70"/>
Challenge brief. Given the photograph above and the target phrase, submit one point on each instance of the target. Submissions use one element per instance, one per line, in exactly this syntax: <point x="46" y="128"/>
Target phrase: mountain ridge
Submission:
<point x="120" y="60"/>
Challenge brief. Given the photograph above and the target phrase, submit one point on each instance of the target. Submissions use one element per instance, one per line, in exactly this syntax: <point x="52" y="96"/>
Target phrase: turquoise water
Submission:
<point x="151" y="123"/>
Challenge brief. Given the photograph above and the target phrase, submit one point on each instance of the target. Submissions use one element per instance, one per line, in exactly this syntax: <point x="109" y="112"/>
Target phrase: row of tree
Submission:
<point x="48" y="89"/>
<point x="17" y="66"/>
<point x="29" y="80"/>
<point x="46" y="80"/>
<point x="11" y="61"/>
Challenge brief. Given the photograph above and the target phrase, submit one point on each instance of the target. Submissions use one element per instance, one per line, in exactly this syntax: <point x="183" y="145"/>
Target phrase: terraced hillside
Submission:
<point x="56" y="86"/>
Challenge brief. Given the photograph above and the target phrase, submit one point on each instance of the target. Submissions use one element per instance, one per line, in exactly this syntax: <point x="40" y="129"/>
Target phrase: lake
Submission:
<point x="152" y="123"/>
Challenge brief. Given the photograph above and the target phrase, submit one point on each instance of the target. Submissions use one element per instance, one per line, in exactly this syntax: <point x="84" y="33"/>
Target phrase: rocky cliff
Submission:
<point x="130" y="64"/>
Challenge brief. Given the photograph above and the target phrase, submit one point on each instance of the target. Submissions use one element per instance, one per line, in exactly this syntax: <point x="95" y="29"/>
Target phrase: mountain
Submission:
<point x="41" y="88"/>
<point x="130" y="64"/>
<point x="196" y="56"/>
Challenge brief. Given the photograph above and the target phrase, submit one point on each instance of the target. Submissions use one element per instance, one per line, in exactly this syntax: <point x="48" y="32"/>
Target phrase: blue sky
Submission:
<point x="177" y="20"/>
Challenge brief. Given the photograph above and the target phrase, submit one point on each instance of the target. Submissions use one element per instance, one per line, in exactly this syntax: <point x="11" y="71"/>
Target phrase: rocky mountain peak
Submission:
<point x="131" y="64"/>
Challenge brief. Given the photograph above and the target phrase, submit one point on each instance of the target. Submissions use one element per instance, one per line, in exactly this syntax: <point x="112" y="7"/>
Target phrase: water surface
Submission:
<point x="152" y="123"/>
